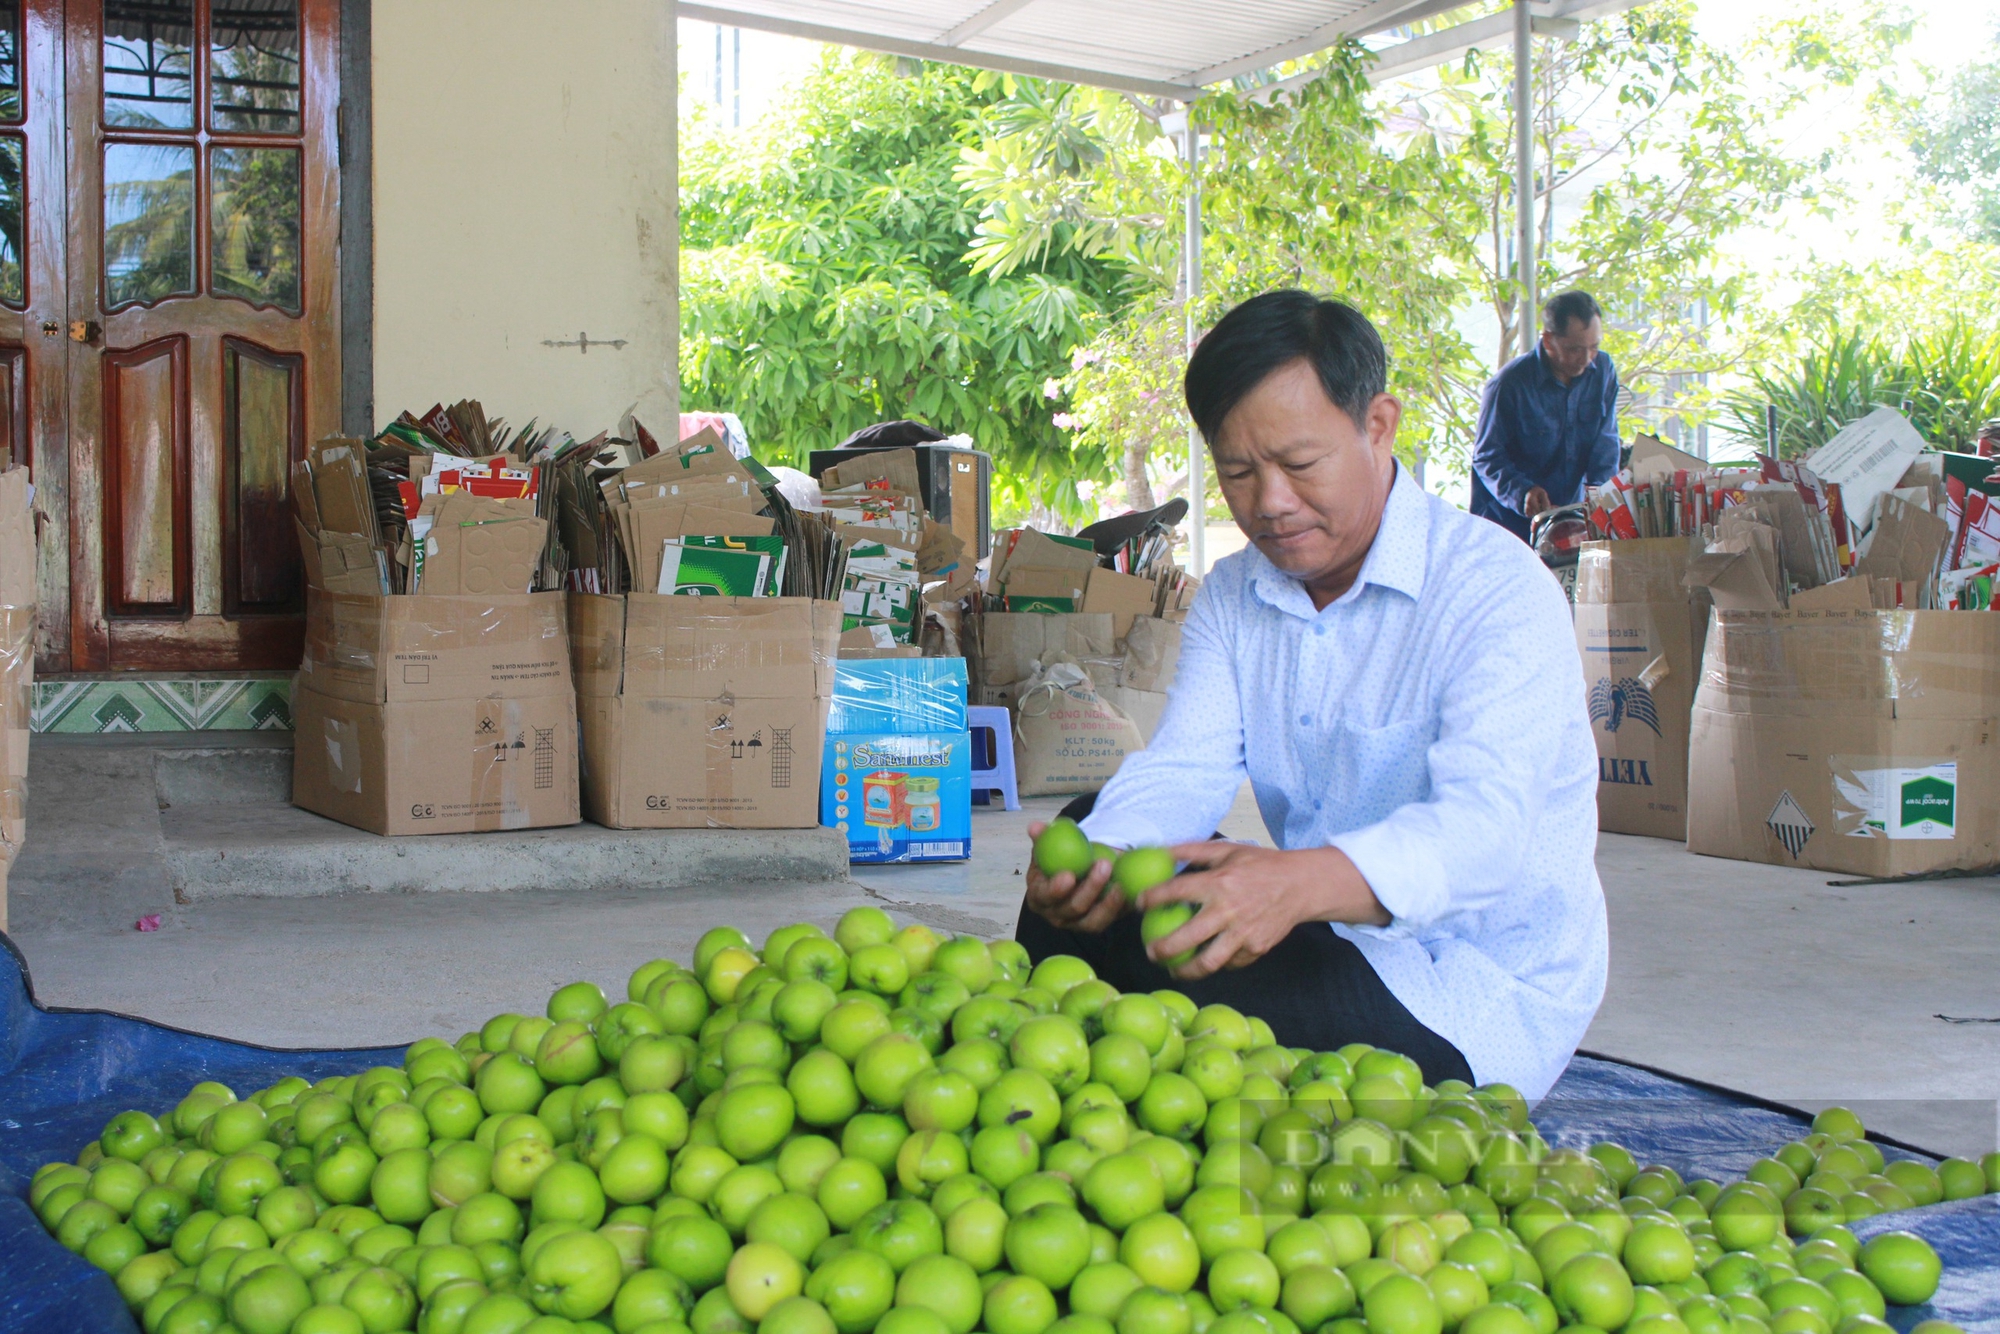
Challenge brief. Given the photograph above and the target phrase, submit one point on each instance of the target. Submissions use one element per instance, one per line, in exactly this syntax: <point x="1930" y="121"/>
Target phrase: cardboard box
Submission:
<point x="1865" y="742"/>
<point x="1123" y="596"/>
<point x="899" y="797"/>
<point x="436" y="766"/>
<point x="407" y="647"/>
<point x="1011" y="643"/>
<point x="1639" y="633"/>
<point x="17" y="664"/>
<point x="702" y="712"/>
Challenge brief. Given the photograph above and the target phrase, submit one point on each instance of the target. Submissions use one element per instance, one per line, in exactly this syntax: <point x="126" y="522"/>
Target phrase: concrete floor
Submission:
<point x="1759" y="978"/>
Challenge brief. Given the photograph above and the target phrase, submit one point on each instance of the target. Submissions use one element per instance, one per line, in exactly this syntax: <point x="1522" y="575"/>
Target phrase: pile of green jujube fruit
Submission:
<point x="885" y="1131"/>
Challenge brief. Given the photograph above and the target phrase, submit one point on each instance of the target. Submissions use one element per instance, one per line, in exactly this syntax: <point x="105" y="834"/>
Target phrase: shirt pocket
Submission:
<point x="1373" y="771"/>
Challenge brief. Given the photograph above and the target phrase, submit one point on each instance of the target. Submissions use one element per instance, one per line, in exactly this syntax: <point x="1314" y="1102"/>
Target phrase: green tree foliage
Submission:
<point x="827" y="280"/>
<point x="1298" y="190"/>
<point x="1957" y="147"/>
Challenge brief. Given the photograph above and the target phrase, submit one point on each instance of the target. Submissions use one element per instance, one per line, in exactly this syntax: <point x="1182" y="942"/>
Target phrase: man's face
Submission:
<point x="1570" y="352"/>
<point x="1304" y="481"/>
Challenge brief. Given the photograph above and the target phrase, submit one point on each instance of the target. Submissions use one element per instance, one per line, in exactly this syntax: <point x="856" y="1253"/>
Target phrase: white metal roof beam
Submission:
<point x="923" y="50"/>
<point x="1372" y="17"/>
<point x="983" y="20"/>
<point x="1494" y="32"/>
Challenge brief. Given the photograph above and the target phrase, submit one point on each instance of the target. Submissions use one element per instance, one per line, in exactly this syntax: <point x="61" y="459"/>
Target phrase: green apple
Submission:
<point x="382" y="1298"/>
<point x="887" y="1066"/>
<point x="680" y="1001"/>
<point x="1172" y="1105"/>
<point x="976" y="1232"/>
<point x="760" y="1275"/>
<point x="516" y="1166"/>
<point x="635" y="1171"/>
<point x="822" y="1089"/>
<point x="859" y="927"/>
<point x="1056" y="974"/>
<point x="1050" y="1242"/>
<point x="726" y="972"/>
<point x="581" y="1002"/>
<point x="1019" y="1305"/>
<point x="1023" y="1098"/>
<point x="918" y="943"/>
<point x="819" y="960"/>
<point x="1003" y="1153"/>
<point x="940" y="1100"/>
<point x="1064" y="849"/>
<point x="986" y="1017"/>
<point x="1139" y="869"/>
<point x="1156" y="1311"/>
<point x="1124" y="1188"/>
<point x="945" y="1285"/>
<point x="856" y="1287"/>
<point x="928" y="1157"/>
<point x="799" y="1008"/>
<point x="881" y="969"/>
<point x="967" y="959"/>
<point x="244" y="1179"/>
<point x="901" y="1232"/>
<point x="130" y="1136"/>
<point x="1052" y="1046"/>
<point x="574" y="1275"/>
<point x="693" y="1248"/>
<point x="1162" y="921"/>
<point x="793" y="1222"/>
<point x="850" y="1026"/>
<point x="753" y="1120"/>
<point x="935" y="993"/>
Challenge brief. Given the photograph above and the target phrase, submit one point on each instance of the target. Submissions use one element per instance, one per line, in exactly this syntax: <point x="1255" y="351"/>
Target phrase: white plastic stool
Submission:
<point x="999" y="776"/>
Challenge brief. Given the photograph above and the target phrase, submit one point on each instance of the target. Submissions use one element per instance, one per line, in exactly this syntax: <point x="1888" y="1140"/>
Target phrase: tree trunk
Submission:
<point x="1138" y="486"/>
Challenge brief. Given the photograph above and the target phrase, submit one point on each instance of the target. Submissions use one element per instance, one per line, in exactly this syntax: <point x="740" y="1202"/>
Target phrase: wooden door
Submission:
<point x="203" y="320"/>
<point x="33" y="299"/>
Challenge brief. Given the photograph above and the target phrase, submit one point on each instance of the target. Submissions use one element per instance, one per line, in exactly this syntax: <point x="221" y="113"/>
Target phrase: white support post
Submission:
<point x="672" y="239"/>
<point x="1524" y="170"/>
<point x="1197" y="480"/>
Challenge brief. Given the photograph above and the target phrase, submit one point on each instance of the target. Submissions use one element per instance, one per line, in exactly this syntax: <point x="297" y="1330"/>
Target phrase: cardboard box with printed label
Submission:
<point x="702" y="712"/>
<point x="1639" y="632"/>
<point x="435" y="714"/>
<point x="1865" y="742"/>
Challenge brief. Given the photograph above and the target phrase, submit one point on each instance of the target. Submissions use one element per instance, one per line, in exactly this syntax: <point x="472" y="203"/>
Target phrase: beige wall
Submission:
<point x="524" y="195"/>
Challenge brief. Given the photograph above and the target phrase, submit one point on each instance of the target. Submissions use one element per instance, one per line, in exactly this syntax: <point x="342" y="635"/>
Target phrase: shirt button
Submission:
<point x="1305" y="720"/>
<point x="1319" y="628"/>
<point x="1315" y="805"/>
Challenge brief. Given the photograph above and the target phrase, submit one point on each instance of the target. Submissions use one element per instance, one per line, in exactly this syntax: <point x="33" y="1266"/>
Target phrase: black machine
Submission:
<point x="957" y="484"/>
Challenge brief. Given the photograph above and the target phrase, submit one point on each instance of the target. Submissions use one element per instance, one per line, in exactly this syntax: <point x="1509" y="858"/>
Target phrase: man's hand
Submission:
<point x="1534" y="502"/>
<point x="1062" y="901"/>
<point x="1252" y="897"/>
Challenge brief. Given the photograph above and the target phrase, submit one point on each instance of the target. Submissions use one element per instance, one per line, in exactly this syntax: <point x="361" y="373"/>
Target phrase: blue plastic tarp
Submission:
<point x="64" y="1073"/>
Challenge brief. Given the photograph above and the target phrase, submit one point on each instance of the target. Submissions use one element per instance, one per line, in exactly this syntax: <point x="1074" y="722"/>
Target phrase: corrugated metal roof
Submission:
<point x="1166" y="48"/>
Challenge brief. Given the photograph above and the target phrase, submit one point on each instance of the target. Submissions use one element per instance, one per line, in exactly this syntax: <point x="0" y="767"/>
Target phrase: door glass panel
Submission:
<point x="253" y="65"/>
<point x="149" y="63"/>
<point x="10" y="60"/>
<point x="148" y="222"/>
<point x="254" y="224"/>
<point x="13" y="285"/>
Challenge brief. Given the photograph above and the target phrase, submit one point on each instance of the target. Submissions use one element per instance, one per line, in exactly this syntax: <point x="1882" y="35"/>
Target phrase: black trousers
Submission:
<point x="1314" y="989"/>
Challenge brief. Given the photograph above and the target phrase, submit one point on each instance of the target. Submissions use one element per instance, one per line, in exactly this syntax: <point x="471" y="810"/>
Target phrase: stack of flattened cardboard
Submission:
<point x="899" y="559"/>
<point x="17" y="663"/>
<point x="443" y="711"/>
<point x="1866" y="742"/>
<point x="702" y="712"/>
<point x="1639" y="631"/>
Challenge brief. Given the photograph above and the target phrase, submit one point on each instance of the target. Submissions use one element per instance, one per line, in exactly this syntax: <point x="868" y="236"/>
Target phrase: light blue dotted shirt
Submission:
<point x="1429" y="723"/>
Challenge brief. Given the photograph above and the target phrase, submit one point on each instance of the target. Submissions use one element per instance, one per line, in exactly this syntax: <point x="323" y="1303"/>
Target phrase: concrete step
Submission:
<point x="123" y="826"/>
<point x="274" y="850"/>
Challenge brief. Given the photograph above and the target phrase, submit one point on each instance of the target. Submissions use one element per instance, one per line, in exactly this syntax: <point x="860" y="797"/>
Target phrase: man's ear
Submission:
<point x="1385" y="413"/>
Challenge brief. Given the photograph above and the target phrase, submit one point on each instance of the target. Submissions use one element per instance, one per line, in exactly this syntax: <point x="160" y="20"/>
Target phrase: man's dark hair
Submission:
<point x="1560" y="309"/>
<point x="1271" y="331"/>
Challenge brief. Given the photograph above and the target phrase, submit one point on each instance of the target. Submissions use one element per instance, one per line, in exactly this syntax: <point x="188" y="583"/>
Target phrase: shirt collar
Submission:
<point x="1396" y="558"/>
<point x="1549" y="374"/>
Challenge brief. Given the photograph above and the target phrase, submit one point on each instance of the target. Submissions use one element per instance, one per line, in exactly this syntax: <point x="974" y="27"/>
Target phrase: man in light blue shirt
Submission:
<point x="1399" y="682"/>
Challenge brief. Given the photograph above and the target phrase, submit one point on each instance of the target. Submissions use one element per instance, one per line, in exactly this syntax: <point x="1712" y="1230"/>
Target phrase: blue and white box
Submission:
<point x="897" y="781"/>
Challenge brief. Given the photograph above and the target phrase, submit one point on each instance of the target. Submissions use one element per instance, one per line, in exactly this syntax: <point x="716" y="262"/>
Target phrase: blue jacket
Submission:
<point x="1534" y="431"/>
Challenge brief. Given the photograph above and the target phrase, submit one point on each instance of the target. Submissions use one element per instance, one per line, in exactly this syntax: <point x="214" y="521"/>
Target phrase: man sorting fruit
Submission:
<point x="1399" y="682"/>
